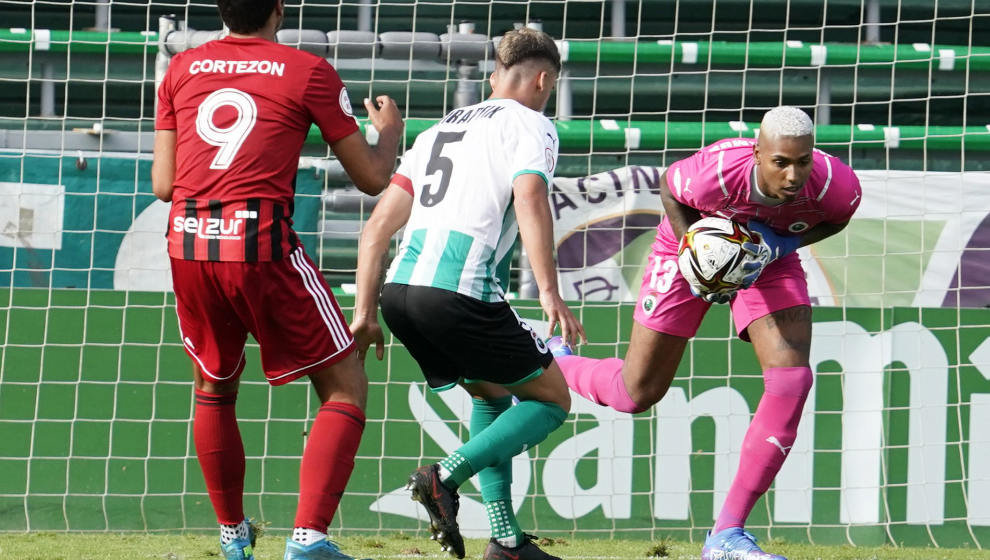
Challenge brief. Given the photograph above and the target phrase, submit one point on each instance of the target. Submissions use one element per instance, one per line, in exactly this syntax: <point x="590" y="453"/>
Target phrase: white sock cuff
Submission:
<point x="306" y="536"/>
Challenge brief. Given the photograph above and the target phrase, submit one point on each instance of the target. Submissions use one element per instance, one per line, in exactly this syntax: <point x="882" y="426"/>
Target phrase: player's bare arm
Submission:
<point x="390" y="214"/>
<point x="821" y="231"/>
<point x="680" y="215"/>
<point x="163" y="165"/>
<point x="536" y="230"/>
<point x="371" y="167"/>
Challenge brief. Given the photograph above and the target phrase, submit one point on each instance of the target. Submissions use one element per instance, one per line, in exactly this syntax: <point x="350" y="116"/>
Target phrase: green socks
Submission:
<point x="495" y="481"/>
<point x="503" y="522"/>
<point x="454" y="470"/>
<point x="518" y="428"/>
<point x="499" y="432"/>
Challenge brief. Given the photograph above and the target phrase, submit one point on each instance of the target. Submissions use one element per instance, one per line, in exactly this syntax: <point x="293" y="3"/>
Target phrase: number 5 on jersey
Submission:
<point x="229" y="139"/>
<point x="442" y="165"/>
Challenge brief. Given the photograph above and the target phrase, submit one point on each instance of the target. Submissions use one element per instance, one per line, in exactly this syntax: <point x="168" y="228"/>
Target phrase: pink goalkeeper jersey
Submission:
<point x="717" y="181"/>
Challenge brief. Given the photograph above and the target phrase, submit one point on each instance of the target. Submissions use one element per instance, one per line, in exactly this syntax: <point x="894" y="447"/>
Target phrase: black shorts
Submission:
<point x="454" y="337"/>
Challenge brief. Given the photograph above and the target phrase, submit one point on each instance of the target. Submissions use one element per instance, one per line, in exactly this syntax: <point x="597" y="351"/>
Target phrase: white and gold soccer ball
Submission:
<point x="711" y="255"/>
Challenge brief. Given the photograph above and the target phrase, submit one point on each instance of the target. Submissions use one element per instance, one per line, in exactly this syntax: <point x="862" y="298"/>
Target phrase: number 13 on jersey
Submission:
<point x="662" y="273"/>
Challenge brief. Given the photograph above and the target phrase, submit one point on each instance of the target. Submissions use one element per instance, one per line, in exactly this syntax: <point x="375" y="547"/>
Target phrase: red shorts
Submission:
<point x="285" y="304"/>
<point x="666" y="304"/>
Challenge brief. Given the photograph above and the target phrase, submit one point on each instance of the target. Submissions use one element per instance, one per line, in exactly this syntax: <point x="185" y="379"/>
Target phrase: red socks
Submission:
<point x="221" y="454"/>
<point x="327" y="463"/>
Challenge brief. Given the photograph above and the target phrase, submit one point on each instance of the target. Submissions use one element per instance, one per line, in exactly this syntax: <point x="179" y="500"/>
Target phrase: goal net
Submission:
<point x="894" y="445"/>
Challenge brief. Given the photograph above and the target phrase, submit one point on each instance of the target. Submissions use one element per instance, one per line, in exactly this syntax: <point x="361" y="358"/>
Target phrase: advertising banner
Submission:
<point x="918" y="239"/>
<point x="891" y="439"/>
<point x="893" y="445"/>
<point x="98" y="226"/>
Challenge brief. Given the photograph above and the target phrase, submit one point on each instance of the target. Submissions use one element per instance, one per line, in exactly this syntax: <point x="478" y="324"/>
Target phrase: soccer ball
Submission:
<point x="711" y="255"/>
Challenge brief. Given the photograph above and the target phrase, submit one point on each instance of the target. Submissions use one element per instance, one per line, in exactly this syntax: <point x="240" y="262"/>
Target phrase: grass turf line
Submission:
<point x="113" y="546"/>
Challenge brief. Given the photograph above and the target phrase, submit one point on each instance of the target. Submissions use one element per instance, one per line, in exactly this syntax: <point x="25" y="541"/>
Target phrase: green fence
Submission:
<point x="620" y="135"/>
<point x="95" y="407"/>
<point x="765" y="54"/>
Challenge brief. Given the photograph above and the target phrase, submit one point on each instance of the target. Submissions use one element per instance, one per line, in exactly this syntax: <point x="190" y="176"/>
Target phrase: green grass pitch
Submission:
<point x="110" y="546"/>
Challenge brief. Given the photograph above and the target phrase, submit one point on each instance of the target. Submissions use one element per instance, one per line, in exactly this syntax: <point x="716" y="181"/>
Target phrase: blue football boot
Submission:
<point x="323" y="550"/>
<point x="240" y="549"/>
<point x="734" y="544"/>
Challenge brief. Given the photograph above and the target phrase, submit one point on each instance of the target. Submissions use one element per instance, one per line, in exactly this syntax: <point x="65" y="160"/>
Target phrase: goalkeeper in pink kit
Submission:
<point x="782" y="188"/>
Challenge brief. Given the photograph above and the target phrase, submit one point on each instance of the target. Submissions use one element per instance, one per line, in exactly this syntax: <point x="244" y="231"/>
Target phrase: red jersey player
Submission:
<point x="232" y="118"/>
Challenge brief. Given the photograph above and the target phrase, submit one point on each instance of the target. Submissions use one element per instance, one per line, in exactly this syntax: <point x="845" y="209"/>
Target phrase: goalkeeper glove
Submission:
<point x="753" y="268"/>
<point x="771" y="242"/>
<point x="712" y="297"/>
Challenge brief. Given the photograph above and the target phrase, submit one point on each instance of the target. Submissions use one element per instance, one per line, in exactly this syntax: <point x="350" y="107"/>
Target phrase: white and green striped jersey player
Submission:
<point x="460" y="173"/>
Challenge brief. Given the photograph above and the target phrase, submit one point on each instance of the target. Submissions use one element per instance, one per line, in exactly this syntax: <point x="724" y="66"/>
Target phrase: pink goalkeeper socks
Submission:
<point x="767" y="443"/>
<point x="599" y="381"/>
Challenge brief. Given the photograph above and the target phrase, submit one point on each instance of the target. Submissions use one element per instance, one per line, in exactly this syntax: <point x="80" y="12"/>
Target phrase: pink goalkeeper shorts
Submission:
<point x="666" y="305"/>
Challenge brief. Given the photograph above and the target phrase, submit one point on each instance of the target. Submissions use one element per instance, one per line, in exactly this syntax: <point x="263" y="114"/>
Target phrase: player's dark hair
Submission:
<point x="245" y="16"/>
<point x="527" y="44"/>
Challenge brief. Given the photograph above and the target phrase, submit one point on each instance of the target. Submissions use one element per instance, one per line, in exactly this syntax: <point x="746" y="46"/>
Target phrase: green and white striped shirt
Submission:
<point x="460" y="172"/>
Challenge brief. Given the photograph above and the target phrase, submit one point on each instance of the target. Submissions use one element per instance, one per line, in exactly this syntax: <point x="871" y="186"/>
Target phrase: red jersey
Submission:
<point x="241" y="109"/>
